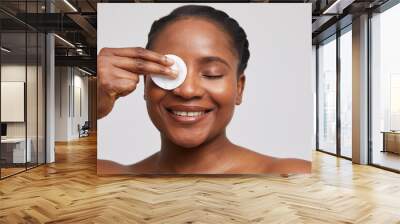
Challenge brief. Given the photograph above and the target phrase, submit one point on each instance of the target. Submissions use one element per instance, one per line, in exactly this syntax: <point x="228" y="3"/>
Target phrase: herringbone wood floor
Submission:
<point x="70" y="192"/>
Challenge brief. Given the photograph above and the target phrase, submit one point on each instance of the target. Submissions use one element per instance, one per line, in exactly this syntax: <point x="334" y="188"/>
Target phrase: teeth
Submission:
<point x="188" y="114"/>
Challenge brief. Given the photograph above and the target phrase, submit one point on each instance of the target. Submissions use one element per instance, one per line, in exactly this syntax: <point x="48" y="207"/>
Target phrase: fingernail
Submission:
<point x="169" y="60"/>
<point x="174" y="72"/>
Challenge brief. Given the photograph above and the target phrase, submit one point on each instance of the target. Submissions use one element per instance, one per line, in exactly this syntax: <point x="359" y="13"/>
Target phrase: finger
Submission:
<point x="128" y="87"/>
<point x="119" y="73"/>
<point x="110" y="82"/>
<point x="126" y="83"/>
<point x="139" y="52"/>
<point x="140" y="66"/>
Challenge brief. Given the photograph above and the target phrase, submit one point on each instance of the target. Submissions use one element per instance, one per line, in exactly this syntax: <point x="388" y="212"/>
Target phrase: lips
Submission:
<point x="188" y="114"/>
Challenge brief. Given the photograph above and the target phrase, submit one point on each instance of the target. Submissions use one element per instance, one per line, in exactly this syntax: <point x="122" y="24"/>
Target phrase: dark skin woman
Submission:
<point x="216" y="55"/>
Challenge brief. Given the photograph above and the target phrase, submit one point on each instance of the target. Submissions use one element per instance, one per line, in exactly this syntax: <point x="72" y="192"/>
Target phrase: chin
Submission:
<point x="188" y="141"/>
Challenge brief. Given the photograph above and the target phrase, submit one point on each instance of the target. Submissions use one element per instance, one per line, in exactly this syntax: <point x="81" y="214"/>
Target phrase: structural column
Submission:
<point x="360" y="90"/>
<point x="50" y="92"/>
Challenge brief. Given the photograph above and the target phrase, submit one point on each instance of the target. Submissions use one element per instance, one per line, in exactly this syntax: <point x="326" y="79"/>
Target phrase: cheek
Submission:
<point x="152" y="92"/>
<point x="223" y="92"/>
<point x="153" y="96"/>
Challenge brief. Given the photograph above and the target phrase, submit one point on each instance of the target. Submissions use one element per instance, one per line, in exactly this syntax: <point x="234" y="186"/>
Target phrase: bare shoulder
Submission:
<point x="107" y="167"/>
<point x="254" y="162"/>
<point x="247" y="161"/>
<point x="289" y="166"/>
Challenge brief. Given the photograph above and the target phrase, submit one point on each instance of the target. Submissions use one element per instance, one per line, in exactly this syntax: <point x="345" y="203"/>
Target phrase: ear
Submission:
<point x="240" y="87"/>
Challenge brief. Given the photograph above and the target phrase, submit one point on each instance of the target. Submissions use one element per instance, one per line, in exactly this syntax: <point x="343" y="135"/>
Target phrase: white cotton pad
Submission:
<point x="167" y="83"/>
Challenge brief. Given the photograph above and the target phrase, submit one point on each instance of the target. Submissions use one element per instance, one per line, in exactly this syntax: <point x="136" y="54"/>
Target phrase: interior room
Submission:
<point x="49" y="101"/>
<point x="22" y="102"/>
<point x="385" y="90"/>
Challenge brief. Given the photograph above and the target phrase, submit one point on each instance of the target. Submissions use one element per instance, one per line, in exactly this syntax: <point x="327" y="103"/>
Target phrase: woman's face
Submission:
<point x="201" y="108"/>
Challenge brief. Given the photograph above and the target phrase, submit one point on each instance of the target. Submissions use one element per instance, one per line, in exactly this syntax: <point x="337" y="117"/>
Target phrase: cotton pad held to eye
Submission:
<point x="167" y="83"/>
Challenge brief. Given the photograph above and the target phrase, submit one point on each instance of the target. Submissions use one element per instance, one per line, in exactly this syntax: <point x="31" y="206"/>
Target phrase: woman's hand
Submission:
<point x="118" y="71"/>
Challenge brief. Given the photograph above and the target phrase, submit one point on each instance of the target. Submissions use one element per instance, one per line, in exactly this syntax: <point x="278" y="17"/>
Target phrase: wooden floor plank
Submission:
<point x="69" y="191"/>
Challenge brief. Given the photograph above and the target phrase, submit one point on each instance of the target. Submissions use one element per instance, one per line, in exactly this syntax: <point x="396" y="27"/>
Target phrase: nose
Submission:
<point x="191" y="88"/>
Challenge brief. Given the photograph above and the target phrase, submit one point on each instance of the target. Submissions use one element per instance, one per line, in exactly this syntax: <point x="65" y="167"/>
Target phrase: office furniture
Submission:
<point x="3" y="130"/>
<point x="391" y="141"/>
<point x="13" y="150"/>
<point x="84" y="130"/>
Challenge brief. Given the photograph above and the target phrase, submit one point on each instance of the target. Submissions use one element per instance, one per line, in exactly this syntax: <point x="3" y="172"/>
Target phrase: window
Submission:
<point x="334" y="77"/>
<point x="346" y="93"/>
<point x="385" y="89"/>
<point x="327" y="96"/>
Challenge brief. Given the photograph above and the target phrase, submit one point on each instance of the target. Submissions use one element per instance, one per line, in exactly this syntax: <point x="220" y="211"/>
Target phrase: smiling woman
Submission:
<point x="193" y="117"/>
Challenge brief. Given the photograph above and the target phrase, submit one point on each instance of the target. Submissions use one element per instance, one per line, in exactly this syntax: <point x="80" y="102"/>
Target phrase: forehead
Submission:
<point x="195" y="37"/>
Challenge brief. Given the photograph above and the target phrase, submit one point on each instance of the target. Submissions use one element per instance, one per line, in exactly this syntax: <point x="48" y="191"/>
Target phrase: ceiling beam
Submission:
<point x="83" y="61"/>
<point x="86" y="27"/>
<point x="337" y="6"/>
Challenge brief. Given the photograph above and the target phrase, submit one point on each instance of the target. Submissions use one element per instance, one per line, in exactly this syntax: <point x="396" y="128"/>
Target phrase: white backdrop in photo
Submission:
<point x="276" y="115"/>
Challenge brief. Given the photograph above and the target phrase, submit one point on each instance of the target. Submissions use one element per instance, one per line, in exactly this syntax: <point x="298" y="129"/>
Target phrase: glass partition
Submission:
<point x="32" y="86"/>
<point x="23" y="90"/>
<point x="14" y="153"/>
<point x="31" y="100"/>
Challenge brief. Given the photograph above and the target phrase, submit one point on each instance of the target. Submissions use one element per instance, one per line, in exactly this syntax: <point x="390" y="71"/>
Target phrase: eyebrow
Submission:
<point x="214" y="59"/>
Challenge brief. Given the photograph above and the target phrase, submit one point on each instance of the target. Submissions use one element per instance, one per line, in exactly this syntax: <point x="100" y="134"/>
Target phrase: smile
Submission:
<point x="188" y="114"/>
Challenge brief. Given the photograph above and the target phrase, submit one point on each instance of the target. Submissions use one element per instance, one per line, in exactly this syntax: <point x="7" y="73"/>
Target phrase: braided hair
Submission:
<point x="228" y="24"/>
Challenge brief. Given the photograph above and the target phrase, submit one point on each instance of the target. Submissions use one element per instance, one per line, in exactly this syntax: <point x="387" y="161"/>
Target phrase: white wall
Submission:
<point x="68" y="81"/>
<point x="17" y="72"/>
<point x="33" y="127"/>
<point x="80" y="89"/>
<point x="61" y="103"/>
<point x="14" y="72"/>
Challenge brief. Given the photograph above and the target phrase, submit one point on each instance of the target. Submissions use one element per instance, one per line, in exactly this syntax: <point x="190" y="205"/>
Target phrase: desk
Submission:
<point x="391" y="141"/>
<point x="13" y="150"/>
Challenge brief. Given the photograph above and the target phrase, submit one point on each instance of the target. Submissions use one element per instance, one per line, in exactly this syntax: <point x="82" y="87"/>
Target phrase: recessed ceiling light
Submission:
<point x="70" y="5"/>
<point x="5" y="50"/>
<point x="84" y="71"/>
<point x="337" y="7"/>
<point x="64" y="40"/>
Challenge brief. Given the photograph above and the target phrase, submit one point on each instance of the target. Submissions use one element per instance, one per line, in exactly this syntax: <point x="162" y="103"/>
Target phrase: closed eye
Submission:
<point x="213" y="76"/>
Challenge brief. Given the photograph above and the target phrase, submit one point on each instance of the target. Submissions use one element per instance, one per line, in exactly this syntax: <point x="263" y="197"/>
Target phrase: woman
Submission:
<point x="192" y="118"/>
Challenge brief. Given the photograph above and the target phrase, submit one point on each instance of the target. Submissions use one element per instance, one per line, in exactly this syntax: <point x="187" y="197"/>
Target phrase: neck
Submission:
<point x="205" y="158"/>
